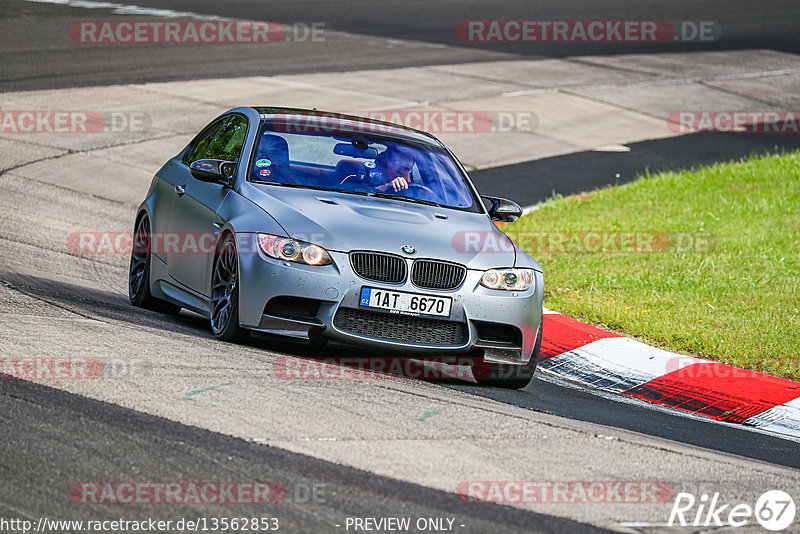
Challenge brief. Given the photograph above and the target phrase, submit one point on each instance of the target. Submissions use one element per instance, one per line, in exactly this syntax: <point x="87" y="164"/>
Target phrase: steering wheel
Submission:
<point x="353" y="182"/>
<point x="415" y="185"/>
<point x="431" y="195"/>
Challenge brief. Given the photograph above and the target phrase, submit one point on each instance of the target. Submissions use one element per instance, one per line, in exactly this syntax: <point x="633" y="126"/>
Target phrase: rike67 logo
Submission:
<point x="774" y="510"/>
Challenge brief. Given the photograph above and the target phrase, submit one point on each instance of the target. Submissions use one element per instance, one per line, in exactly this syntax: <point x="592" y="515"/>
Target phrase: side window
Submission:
<point x="228" y="142"/>
<point x="200" y="148"/>
<point x="225" y="141"/>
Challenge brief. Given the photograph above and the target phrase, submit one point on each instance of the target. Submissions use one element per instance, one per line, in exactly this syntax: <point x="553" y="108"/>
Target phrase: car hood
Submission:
<point x="344" y="222"/>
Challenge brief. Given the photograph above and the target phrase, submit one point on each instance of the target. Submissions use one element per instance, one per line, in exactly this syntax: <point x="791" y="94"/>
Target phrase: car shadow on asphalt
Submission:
<point x="549" y="396"/>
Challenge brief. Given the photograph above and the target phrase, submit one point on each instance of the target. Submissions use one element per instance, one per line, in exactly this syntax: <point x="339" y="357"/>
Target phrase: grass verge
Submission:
<point x="720" y="274"/>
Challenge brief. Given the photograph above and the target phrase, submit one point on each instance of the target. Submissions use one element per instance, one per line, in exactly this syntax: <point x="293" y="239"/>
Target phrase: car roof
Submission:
<point x="364" y="125"/>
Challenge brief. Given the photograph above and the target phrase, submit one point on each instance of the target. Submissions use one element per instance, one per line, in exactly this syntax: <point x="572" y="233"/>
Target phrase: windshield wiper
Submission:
<point x="407" y="199"/>
<point x="362" y="193"/>
<point x="292" y="184"/>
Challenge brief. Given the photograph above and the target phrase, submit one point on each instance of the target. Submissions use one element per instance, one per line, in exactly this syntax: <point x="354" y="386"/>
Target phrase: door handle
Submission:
<point x="180" y="189"/>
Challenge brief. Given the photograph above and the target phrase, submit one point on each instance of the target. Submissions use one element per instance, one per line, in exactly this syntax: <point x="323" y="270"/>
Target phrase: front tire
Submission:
<point x="139" y="272"/>
<point x="225" y="293"/>
<point x="508" y="376"/>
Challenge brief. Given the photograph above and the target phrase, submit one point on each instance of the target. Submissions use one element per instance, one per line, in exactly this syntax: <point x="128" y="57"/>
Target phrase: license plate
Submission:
<point x="405" y="303"/>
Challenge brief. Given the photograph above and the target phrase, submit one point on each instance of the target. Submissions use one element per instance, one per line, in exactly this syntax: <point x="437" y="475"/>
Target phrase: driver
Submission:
<point x="392" y="172"/>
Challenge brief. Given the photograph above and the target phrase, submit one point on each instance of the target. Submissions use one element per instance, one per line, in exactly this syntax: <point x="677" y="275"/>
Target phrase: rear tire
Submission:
<point x="139" y="272"/>
<point x="506" y="376"/>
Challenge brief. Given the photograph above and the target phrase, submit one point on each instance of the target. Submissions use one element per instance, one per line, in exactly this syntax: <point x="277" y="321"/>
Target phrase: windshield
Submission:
<point x="361" y="163"/>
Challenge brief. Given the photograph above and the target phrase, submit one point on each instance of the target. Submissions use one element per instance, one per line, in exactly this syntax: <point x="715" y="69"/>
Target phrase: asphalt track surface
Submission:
<point x="535" y="181"/>
<point x="50" y="438"/>
<point x="58" y="438"/>
<point x="542" y="395"/>
<point x="37" y="53"/>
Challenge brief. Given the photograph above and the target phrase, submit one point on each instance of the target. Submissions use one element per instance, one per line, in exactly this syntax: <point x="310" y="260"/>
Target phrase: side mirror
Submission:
<point x="503" y="210"/>
<point x="215" y="171"/>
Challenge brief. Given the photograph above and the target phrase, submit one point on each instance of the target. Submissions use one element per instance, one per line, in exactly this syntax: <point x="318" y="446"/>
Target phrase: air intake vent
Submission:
<point x="391" y="327"/>
<point x="434" y="274"/>
<point x="379" y="267"/>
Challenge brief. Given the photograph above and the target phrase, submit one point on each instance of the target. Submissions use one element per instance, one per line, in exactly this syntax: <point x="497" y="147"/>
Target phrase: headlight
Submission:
<point x="285" y="248"/>
<point x="508" y="279"/>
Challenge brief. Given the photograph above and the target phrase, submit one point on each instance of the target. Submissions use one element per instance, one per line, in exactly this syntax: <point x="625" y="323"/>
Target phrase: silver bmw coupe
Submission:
<point x="324" y="227"/>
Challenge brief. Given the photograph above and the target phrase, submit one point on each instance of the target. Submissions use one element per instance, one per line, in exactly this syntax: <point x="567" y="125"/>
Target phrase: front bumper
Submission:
<point x="336" y="289"/>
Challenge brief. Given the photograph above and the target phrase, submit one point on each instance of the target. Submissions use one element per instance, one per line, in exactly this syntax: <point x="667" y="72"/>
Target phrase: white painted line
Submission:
<point x="612" y="148"/>
<point x="412" y="44"/>
<point x="530" y="209"/>
<point x="127" y="9"/>
<point x="523" y="92"/>
<point x="404" y="106"/>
